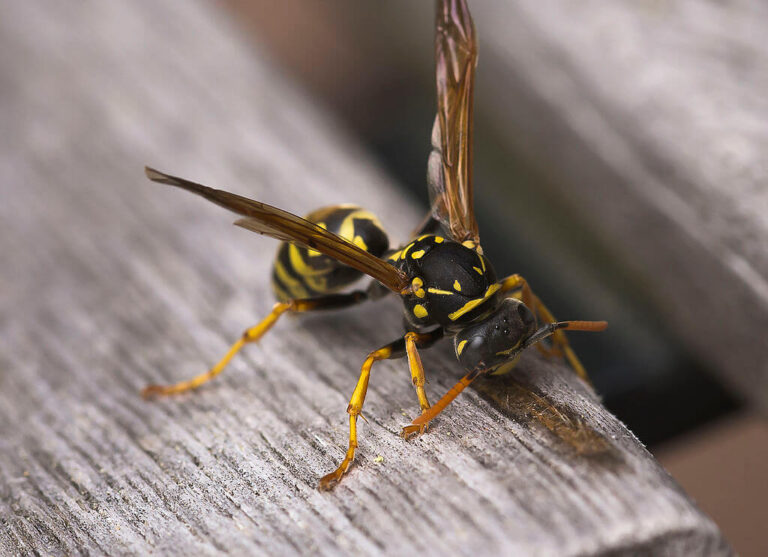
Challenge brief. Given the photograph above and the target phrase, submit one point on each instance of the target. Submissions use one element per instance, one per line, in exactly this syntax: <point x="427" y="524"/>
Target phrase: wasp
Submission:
<point x="448" y="288"/>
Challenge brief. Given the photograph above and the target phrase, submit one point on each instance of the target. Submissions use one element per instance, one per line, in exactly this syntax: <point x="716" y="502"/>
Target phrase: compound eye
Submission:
<point x="526" y="316"/>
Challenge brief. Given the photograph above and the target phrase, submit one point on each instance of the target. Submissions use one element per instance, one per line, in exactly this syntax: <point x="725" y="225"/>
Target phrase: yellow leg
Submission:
<point x="417" y="376"/>
<point x="354" y="409"/>
<point x="446" y="399"/>
<point x="332" y="301"/>
<point x="250" y="335"/>
<point x="560" y="346"/>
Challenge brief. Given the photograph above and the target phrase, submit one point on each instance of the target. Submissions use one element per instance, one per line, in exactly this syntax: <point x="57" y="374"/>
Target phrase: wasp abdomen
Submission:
<point x="304" y="273"/>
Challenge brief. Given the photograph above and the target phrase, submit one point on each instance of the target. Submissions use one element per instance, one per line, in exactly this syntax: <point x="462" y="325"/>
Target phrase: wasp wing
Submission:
<point x="274" y="222"/>
<point x="449" y="168"/>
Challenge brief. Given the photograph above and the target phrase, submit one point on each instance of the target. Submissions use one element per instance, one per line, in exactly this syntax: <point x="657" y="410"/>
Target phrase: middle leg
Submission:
<point x="396" y="349"/>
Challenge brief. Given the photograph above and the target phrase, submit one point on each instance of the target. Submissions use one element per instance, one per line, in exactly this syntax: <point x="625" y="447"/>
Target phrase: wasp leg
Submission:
<point x="392" y="350"/>
<point x="333" y="301"/>
<point x="560" y="345"/>
<point x="446" y="399"/>
<point x="412" y="342"/>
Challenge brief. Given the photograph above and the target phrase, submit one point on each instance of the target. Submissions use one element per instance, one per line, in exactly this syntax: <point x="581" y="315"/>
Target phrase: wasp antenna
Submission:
<point x="541" y="334"/>
<point x="592" y="326"/>
<point x="550" y="328"/>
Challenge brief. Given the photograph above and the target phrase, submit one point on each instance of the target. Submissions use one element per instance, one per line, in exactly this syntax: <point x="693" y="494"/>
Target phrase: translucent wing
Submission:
<point x="449" y="169"/>
<point x="287" y="227"/>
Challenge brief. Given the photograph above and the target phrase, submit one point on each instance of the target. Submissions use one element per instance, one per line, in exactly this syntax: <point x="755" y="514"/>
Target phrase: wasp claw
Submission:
<point x="413" y="430"/>
<point x="151" y="391"/>
<point x="329" y="481"/>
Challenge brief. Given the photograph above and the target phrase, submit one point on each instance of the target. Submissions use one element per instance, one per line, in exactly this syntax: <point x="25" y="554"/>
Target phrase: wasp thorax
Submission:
<point x="496" y="339"/>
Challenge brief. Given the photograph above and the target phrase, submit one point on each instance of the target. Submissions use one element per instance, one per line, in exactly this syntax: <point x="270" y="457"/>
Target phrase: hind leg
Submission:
<point x="333" y="301"/>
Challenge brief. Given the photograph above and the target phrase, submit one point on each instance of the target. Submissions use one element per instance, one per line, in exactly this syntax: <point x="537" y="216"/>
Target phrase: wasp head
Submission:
<point x="495" y="343"/>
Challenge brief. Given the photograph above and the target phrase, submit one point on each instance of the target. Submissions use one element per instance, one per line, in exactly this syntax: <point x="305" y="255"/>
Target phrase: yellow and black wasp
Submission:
<point x="447" y="286"/>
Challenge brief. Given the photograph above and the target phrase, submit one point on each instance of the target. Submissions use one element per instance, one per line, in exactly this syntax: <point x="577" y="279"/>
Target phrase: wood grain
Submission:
<point x="109" y="282"/>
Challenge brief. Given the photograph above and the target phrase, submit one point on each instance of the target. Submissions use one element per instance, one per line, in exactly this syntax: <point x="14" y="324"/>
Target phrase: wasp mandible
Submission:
<point x="448" y="287"/>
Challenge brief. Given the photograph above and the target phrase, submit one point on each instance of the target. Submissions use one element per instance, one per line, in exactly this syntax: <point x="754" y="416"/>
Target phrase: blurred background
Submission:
<point x="372" y="65"/>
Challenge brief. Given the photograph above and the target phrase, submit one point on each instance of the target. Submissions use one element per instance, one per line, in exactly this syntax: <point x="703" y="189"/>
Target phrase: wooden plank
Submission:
<point x="108" y="282"/>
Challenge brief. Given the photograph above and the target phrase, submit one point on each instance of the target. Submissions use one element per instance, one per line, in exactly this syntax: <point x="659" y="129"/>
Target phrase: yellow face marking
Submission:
<point x="418" y="254"/>
<point x="457" y="286"/>
<point x="509" y="350"/>
<point x="472" y="304"/>
<point x="461" y="346"/>
<point x="506" y="367"/>
<point x="296" y="288"/>
<point x="417" y="284"/>
<point x="438" y="291"/>
<point x="420" y="311"/>
<point x="478" y="269"/>
<point x="439" y="239"/>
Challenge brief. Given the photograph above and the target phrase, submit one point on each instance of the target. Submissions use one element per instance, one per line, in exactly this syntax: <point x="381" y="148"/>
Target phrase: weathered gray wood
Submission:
<point x="648" y="118"/>
<point x="108" y="282"/>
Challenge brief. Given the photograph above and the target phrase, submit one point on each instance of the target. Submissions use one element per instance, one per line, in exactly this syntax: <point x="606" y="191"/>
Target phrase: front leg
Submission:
<point x="426" y="417"/>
